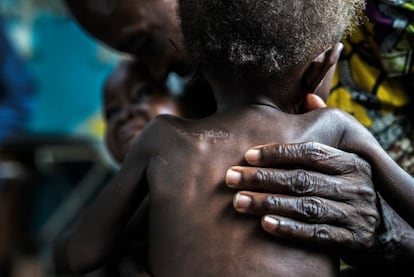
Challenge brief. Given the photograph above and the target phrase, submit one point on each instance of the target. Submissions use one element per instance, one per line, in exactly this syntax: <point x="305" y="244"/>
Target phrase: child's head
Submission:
<point x="131" y="99"/>
<point x="264" y="38"/>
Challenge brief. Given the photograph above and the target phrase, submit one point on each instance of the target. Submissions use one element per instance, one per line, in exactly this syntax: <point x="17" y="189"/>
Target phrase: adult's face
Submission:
<point x="147" y="29"/>
<point x="130" y="103"/>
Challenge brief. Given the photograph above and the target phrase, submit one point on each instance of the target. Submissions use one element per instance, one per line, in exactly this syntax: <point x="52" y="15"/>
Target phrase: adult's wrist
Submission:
<point x="393" y="249"/>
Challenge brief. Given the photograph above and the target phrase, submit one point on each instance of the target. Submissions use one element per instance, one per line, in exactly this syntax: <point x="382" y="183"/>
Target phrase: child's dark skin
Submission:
<point x="92" y="15"/>
<point x="355" y="232"/>
<point x="197" y="243"/>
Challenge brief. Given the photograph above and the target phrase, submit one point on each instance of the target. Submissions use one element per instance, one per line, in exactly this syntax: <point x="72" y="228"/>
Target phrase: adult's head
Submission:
<point x="147" y="29"/>
<point x="263" y="38"/>
<point x="131" y="100"/>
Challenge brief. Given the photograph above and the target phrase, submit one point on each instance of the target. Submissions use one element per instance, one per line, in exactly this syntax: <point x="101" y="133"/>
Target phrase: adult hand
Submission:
<point x="394" y="251"/>
<point x="309" y="192"/>
<point x="332" y="204"/>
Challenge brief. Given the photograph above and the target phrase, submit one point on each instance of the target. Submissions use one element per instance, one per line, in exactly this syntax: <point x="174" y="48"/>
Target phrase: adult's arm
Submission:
<point x="93" y="240"/>
<point x="327" y="199"/>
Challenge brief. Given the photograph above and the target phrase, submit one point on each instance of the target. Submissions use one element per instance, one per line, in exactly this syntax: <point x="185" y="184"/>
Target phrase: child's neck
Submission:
<point x="284" y="94"/>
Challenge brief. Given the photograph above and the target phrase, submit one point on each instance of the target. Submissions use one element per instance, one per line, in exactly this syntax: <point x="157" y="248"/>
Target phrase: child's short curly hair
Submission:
<point x="263" y="37"/>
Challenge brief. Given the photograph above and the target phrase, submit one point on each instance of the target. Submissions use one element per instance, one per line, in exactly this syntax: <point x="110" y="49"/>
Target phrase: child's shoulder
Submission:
<point x="167" y="122"/>
<point x="333" y="120"/>
<point x="332" y="111"/>
<point x="156" y="134"/>
<point x="166" y="126"/>
<point x="334" y="114"/>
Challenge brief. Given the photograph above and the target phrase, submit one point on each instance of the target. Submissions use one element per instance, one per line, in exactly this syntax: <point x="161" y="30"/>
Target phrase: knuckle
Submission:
<point x="367" y="192"/>
<point x="364" y="239"/>
<point x="312" y="208"/>
<point x="364" y="219"/>
<point x="283" y="151"/>
<point x="361" y="165"/>
<point x="271" y="203"/>
<point x="265" y="178"/>
<point x="301" y="182"/>
<point x="367" y="225"/>
<point x="357" y="164"/>
<point x="312" y="150"/>
<point x="261" y="176"/>
<point x="321" y="233"/>
<point x="363" y="234"/>
<point x="372" y="219"/>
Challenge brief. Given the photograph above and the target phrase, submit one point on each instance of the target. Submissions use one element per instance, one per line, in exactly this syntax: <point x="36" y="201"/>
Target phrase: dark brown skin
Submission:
<point x="316" y="188"/>
<point x="192" y="225"/>
<point x="396" y="242"/>
<point x="190" y="219"/>
<point x="403" y="192"/>
<point x="373" y="251"/>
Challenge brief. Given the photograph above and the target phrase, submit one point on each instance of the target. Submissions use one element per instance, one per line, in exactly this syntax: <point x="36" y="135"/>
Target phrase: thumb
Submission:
<point x="313" y="102"/>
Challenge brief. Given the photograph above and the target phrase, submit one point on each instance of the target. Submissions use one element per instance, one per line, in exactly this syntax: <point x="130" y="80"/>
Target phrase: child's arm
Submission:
<point x="94" y="235"/>
<point x="394" y="184"/>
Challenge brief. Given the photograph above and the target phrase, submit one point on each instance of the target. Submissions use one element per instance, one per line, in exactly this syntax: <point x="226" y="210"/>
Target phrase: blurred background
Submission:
<point x="52" y="158"/>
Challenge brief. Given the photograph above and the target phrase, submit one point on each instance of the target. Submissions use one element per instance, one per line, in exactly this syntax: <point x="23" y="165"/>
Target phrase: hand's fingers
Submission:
<point x="306" y="209"/>
<point x="313" y="102"/>
<point x="311" y="209"/>
<point x="318" y="234"/>
<point x="324" y="158"/>
<point x="299" y="182"/>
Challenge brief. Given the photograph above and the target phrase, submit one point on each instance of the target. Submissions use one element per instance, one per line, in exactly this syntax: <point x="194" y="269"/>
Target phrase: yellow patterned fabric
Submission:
<point x="373" y="81"/>
<point x="360" y="85"/>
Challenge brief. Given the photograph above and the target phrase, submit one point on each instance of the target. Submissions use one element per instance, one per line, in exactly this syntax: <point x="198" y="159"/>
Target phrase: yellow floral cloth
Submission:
<point x="374" y="77"/>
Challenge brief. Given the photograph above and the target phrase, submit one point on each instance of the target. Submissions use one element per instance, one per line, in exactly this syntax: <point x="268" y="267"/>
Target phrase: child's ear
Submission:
<point x="319" y="67"/>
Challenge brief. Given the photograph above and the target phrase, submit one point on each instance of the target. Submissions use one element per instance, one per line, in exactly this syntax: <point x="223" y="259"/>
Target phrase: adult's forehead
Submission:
<point x="97" y="7"/>
<point x="94" y="16"/>
<point x="107" y="20"/>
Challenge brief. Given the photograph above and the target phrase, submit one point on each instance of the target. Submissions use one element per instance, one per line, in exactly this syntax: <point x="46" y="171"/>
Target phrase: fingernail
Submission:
<point x="270" y="223"/>
<point x="233" y="177"/>
<point x="242" y="201"/>
<point x="252" y="155"/>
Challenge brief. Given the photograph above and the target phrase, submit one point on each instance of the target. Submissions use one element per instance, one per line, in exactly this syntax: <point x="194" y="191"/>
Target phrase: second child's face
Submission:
<point x="129" y="104"/>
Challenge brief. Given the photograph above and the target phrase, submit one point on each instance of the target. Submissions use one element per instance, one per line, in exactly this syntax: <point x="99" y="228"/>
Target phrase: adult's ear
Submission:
<point x="320" y="67"/>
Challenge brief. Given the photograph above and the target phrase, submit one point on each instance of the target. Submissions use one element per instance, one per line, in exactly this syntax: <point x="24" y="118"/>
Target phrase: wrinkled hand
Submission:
<point x="325" y="197"/>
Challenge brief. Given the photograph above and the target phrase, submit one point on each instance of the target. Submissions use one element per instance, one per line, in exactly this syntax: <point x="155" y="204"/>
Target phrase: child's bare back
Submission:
<point x="185" y="178"/>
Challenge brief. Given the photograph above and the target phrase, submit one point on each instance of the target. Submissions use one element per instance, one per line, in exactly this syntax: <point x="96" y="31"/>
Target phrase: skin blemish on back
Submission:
<point x="213" y="134"/>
